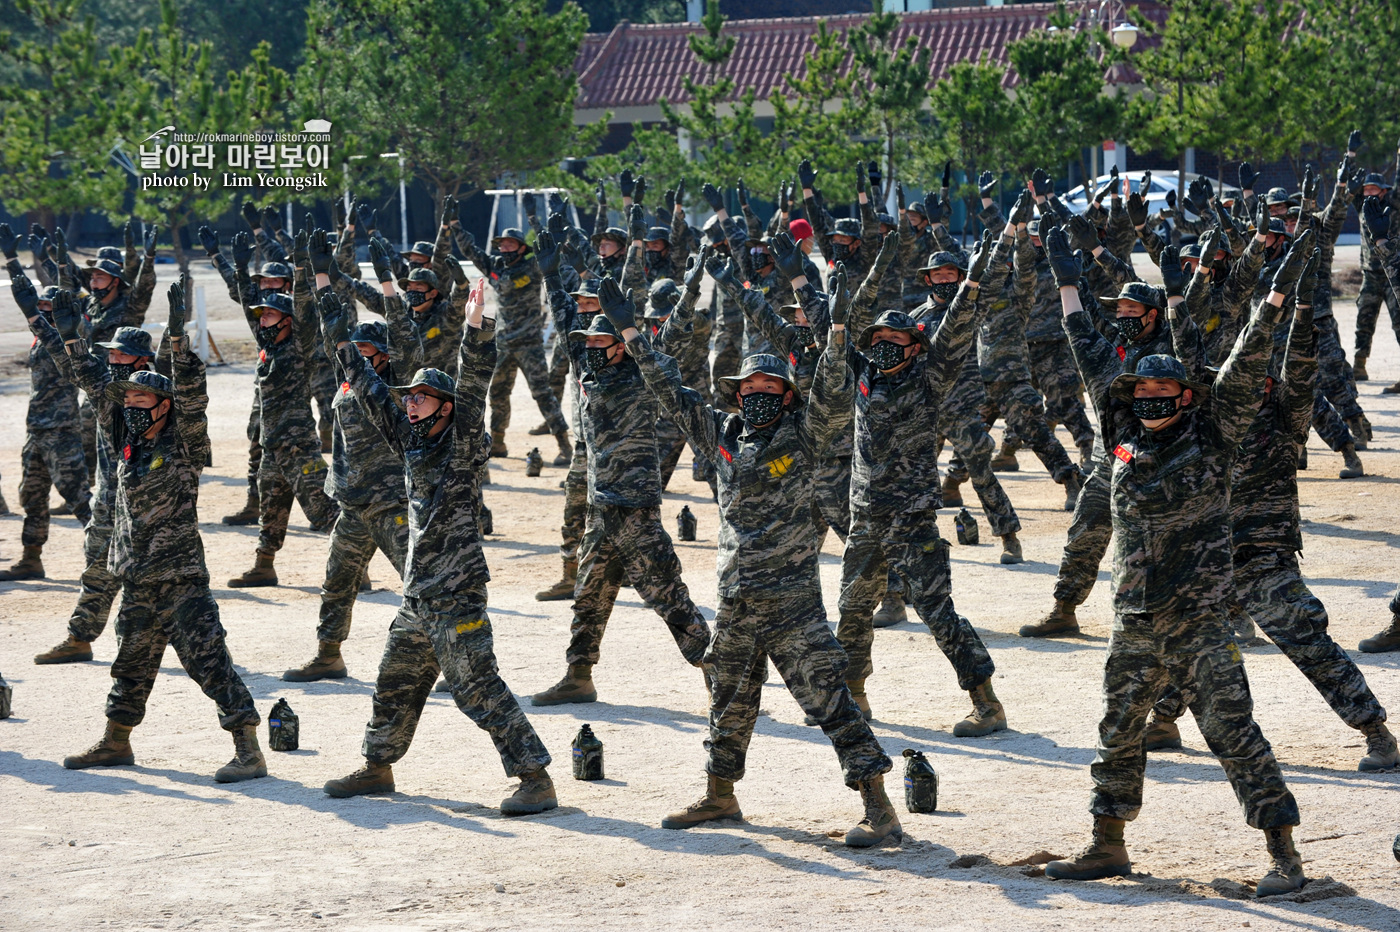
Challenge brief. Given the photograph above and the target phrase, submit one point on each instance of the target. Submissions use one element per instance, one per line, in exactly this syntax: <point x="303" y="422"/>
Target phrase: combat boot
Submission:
<point x="1303" y="457"/>
<point x="1073" y="483"/>
<point x="371" y="778"/>
<point x="1107" y="856"/>
<point x="1011" y="550"/>
<point x="1351" y="463"/>
<point x="952" y="496"/>
<point x="566" y="449"/>
<point x="1161" y="734"/>
<point x="4" y="505"/>
<point x="248" y="762"/>
<point x="327" y="665"/>
<point x="564" y="588"/>
<point x="29" y="566"/>
<point x="857" y="688"/>
<point x="1086" y="453"/>
<point x="1391" y="389"/>
<point x="1358" y="368"/>
<point x="535" y="794"/>
<point x="249" y="514"/>
<point x="986" y="716"/>
<point x="498" y="446"/>
<point x="324" y="429"/>
<point x="1286" y="874"/>
<point x="1383" y="641"/>
<point x="880" y="820"/>
<point x="1005" y="460"/>
<point x="1381" y="751"/>
<point x="263" y="573"/>
<point x="1360" y="433"/>
<point x="718" y="802"/>
<point x="540" y="429"/>
<point x="576" y="686"/>
<point x="70" y="651"/>
<point x="891" y="611"/>
<point x="114" y="750"/>
<point x="1060" y="620"/>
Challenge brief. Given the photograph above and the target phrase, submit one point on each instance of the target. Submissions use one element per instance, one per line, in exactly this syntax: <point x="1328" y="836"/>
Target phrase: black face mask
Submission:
<point x="138" y="420"/>
<point x="101" y="293"/>
<point x="944" y="291"/>
<point x="840" y="252"/>
<point x="121" y="371"/>
<point x="654" y="260"/>
<point x="1132" y="327"/>
<point x="761" y="407"/>
<point x="1156" y="409"/>
<point x="805" y="335"/>
<point x="416" y="299"/>
<point x="886" y="355"/>
<point x="598" y="358"/>
<point x="267" y="336"/>
<point x="422" y="427"/>
<point x="416" y="264"/>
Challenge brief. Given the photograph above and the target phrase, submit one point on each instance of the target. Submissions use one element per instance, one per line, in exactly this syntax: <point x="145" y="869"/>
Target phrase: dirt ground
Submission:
<point x="161" y="846"/>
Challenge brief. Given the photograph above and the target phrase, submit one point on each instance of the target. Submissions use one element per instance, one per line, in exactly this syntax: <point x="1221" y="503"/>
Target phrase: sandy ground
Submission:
<point x="159" y="845"/>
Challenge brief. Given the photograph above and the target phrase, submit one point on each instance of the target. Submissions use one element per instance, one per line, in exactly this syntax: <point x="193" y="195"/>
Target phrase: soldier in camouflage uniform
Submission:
<point x="1175" y="441"/>
<point x="623" y="538"/>
<point x="1266" y="536"/>
<point x="1375" y="288"/>
<point x="442" y="624"/>
<point x="156" y="550"/>
<point x="770" y="594"/>
<point x="665" y="302"/>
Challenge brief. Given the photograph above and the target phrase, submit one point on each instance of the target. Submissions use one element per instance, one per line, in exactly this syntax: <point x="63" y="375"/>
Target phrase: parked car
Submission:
<point x="1162" y="181"/>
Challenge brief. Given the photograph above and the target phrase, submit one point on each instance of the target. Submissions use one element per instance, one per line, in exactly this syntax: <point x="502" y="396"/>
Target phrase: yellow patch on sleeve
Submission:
<point x="1235" y="653"/>
<point x="158" y="462"/>
<point x="779" y="466"/>
<point x="399" y="519"/>
<point x="467" y="627"/>
<point x="1213" y="323"/>
<point x="520" y="282"/>
<point x="432" y="333"/>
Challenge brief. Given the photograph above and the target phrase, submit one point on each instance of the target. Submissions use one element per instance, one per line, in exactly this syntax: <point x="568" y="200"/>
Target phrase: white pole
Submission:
<point x="403" y="209"/>
<point x="201" y="324"/>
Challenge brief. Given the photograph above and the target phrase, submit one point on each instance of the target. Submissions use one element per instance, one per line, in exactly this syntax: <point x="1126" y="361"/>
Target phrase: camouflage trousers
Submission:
<point x="1375" y="289"/>
<point x="791" y="630"/>
<point x="97" y="586"/>
<point x="323" y="384"/>
<point x="575" y="506"/>
<point x="255" y="450"/>
<point x="51" y="458"/>
<point x="529" y="359"/>
<point x="558" y="352"/>
<point x="359" y="530"/>
<point x="630" y="545"/>
<point x="960" y="420"/>
<point x="831" y="496"/>
<point x="1273" y="592"/>
<point x="909" y="547"/>
<point x="729" y="339"/>
<point x="451" y="635"/>
<point x="1090" y="531"/>
<point x="1024" y="412"/>
<point x="87" y="427"/>
<point x="1147" y="652"/>
<point x="184" y="615"/>
<point x="1055" y="376"/>
<point x="292" y="470"/>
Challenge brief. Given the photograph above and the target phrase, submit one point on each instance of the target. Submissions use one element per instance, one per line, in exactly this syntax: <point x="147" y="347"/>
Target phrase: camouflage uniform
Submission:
<point x="1052" y="365"/>
<point x="1375" y="287"/>
<point x="442" y="623"/>
<point x="1221" y="309"/>
<point x="769" y="591"/>
<point x="689" y="343"/>
<point x="242" y="291"/>
<point x="157" y="553"/>
<point x="1335" y="397"/>
<point x="1173" y="574"/>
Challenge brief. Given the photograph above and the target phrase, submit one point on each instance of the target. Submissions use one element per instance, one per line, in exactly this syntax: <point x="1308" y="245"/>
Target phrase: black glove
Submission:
<point x="1110" y="186"/>
<point x="558" y="203"/>
<point x="636" y="223"/>
<point x="639" y="192"/>
<point x="152" y="232"/>
<point x="39" y="243"/>
<point x="1023" y="209"/>
<point x="1375" y="214"/>
<point x="616" y="306"/>
<point x="786" y="256"/>
<point x="558" y="226"/>
<point x="1356" y="182"/>
<point x="1307" y="281"/>
<point x="1137" y="209"/>
<point x="1065" y="265"/>
<point x="1174" y="277"/>
<point x="743" y="193"/>
<point x="209" y="240"/>
<point x="1082" y="233"/>
<point x="981" y="257"/>
<point x="668" y="200"/>
<point x="66" y="315"/>
<point x="128" y="237"/>
<point x="948" y="175"/>
<point x="899" y="196"/>
<point x="873" y="172"/>
<point x="1288" y="273"/>
<point x="531" y="208"/>
<point x="1227" y="224"/>
<point x="333" y="319"/>
<point x="838" y="300"/>
<point x="1309" y="184"/>
<point x="1261" y="217"/>
<point x="301" y="248"/>
<point x="1354" y="141"/>
<point x="175" y="323"/>
<point x="8" y="241"/>
<point x="369" y="217"/>
<point x="1041" y="183"/>
<point x="1343" y="170"/>
<point x="573" y="257"/>
<point x="806" y="174"/>
<point x="242" y="248"/>
<point x="600" y="194"/>
<point x="379" y="259"/>
<point x="937" y="208"/>
<point x="270" y="225"/>
<point x="889" y="251"/>
<point x="1198" y="195"/>
<point x="625" y="182"/>
<point x="785" y="197"/>
<point x="58" y="252"/>
<point x="1248" y="176"/>
<point x="712" y="197"/>
<point x="547" y="253"/>
<point x="722" y="271"/>
<point x="695" y="270"/>
<point x="250" y="215"/>
<point x="1171" y="201"/>
<point x="22" y="289"/>
<point x="862" y="183"/>
<point x="1212" y="241"/>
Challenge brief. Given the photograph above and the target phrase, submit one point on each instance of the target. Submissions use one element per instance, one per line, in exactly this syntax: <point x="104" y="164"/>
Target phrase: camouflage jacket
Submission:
<point x="283" y="373"/>
<point x="155" y="533"/>
<point x="364" y="470"/>
<point x="1170" y="489"/>
<point x="563" y="307"/>
<point x="520" y="315"/>
<point x="1220" y="310"/>
<point x="1043" y="319"/>
<point x="127" y="310"/>
<point x="685" y="335"/>
<point x="1002" y="354"/>
<point x="444" y="496"/>
<point x="822" y="226"/>
<point x="768" y="543"/>
<point x="53" y="397"/>
<point x="915" y="246"/>
<point x="1327" y="227"/>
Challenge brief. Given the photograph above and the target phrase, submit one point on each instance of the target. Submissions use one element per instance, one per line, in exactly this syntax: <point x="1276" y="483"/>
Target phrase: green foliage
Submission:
<point x="1352" y="81"/>
<point x="890" y="83"/>
<point x="603" y="15"/>
<point x="974" y="124"/>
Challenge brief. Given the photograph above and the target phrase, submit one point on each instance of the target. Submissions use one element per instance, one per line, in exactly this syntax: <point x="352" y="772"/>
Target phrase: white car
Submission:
<point x="1162" y="182"/>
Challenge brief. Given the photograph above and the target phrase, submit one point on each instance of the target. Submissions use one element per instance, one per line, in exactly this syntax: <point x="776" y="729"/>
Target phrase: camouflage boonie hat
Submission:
<point x="599" y="325"/>
<point x="112" y="268"/>
<point x="662" y="299"/>
<point x="49" y="293"/>
<point x="895" y="320"/>
<point x="107" y="252"/>
<point x="847" y="227"/>
<point x="130" y="340"/>
<point x="616" y="234"/>
<point x="421" y="248"/>
<point x="277" y="301"/>
<point x="761" y="364"/>
<point x="886" y="219"/>
<point x="917" y="208"/>
<point x="657" y="235"/>
<point x="514" y="233"/>
<point x="1033" y="226"/>
<point x="1377" y="179"/>
<point x="435" y="381"/>
<point x="1141" y="292"/>
<point x="142" y="380"/>
<point x="275" y="270"/>
<point x="373" y="332"/>
<point x="587" y="288"/>
<point x="1275" y="196"/>
<point x="427" y="276"/>
<point x="1156" y="366"/>
<point x="942" y="260"/>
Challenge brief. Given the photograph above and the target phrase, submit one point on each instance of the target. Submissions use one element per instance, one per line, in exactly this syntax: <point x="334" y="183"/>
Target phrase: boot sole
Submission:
<point x="678" y="824"/>
<point x="897" y="835"/>
<point x="1378" y="648"/>
<point x="1009" y="560"/>
<point x="1097" y="873"/>
<point x="547" y="596"/>
<point x="529" y="808"/>
<point x="240" y="584"/>
<point x="20" y="577"/>
<point x="41" y="660"/>
<point x="888" y="622"/>
<point x="1168" y="745"/>
<point x="1366" y="767"/>
<point x="979" y="733"/>
<point x="1260" y="893"/>
<point x="296" y="676"/>
<point x="583" y="698"/>
<point x="128" y="761"/>
<point x="366" y="791"/>
<point x="259" y="771"/>
<point x="1036" y="632"/>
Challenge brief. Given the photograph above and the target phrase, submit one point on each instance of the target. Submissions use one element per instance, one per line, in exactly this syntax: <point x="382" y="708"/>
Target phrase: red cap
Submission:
<point x="800" y="229"/>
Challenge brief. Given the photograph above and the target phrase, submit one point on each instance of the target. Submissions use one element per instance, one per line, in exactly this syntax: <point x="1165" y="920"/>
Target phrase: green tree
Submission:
<point x="1353" y="84"/>
<point x="891" y="82"/>
<point x="603" y="15"/>
<point x="975" y="125"/>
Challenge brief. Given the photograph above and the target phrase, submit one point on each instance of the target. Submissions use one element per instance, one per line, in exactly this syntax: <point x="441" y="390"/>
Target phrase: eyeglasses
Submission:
<point x="418" y="398"/>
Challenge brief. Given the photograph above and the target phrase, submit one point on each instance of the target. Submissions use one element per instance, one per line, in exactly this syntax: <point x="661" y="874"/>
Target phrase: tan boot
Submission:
<point x="1381" y="750"/>
<point x="263" y="573"/>
<point x="28" y="566"/>
<point x="1360" y="435"/>
<point x="248" y="762"/>
<point x="1106" y="856"/>
<point x="952" y="495"/>
<point x="891" y="611"/>
<point x="718" y="802"/>
<point x="576" y="686"/>
<point x="1358" y="368"/>
<point x="564" y="588"/>
<point x="1351" y="463"/>
<point x="1005" y="460"/>
<point x="566" y="449"/>
<point x="1060" y="620"/>
<point x="539" y="430"/>
<point x="986" y="716"/>
<point x="327" y="665"/>
<point x="880" y="820"/>
<point x="1391" y="389"/>
<point x="498" y="447"/>
<point x="857" y="688"/>
<point x="249" y="514"/>
<point x="1383" y="641"/>
<point x="535" y="794"/>
<point x="1073" y="483"/>
<point x="70" y="651"/>
<point x="1161" y="734"/>
<point x="1286" y="874"/>
<point x="1011" y="550"/>
<point x="114" y="750"/>
<point x="371" y="778"/>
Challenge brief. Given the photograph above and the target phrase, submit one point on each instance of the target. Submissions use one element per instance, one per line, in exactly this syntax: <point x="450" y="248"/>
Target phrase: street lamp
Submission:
<point x="1125" y="35"/>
